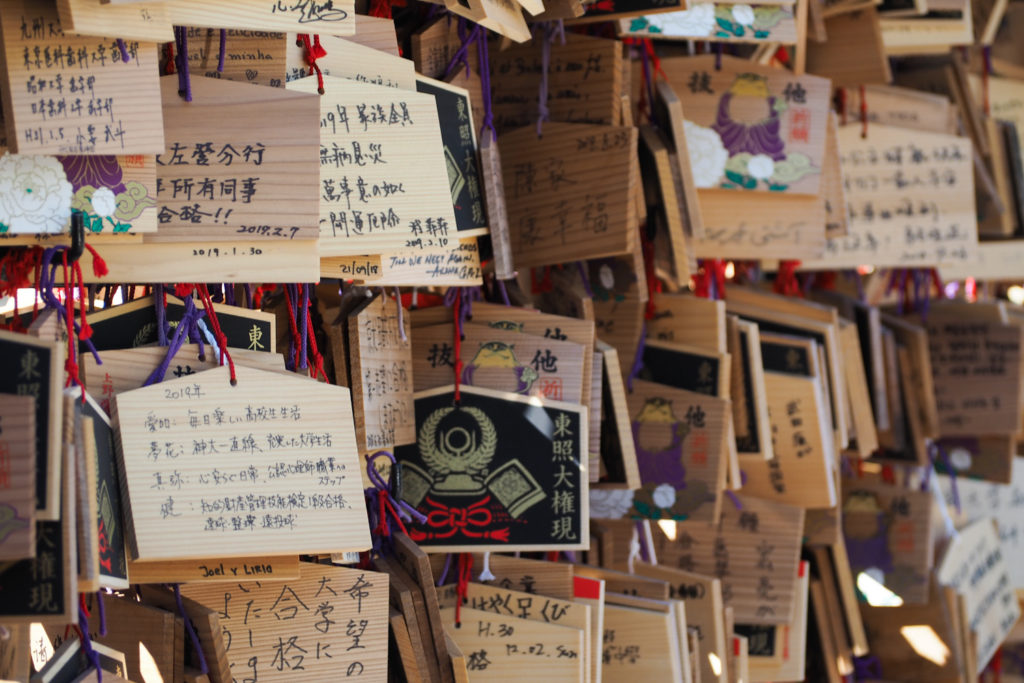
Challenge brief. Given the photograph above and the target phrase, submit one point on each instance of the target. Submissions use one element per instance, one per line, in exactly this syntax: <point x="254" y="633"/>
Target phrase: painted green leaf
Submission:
<point x="734" y="176"/>
<point x="724" y="23"/>
<point x="638" y="23"/>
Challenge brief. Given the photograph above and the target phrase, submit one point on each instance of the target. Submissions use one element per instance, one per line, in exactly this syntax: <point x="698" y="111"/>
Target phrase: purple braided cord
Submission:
<point x="203" y="668"/>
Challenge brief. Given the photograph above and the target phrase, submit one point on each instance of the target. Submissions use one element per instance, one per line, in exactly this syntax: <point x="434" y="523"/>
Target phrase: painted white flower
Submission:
<point x="960" y="459"/>
<point x="606" y="276"/>
<point x="610" y="503"/>
<point x="103" y="202"/>
<point x="35" y="195"/>
<point x="743" y="14"/>
<point x="664" y="496"/>
<point x="761" y="166"/>
<point x="698" y="21"/>
<point x="707" y="154"/>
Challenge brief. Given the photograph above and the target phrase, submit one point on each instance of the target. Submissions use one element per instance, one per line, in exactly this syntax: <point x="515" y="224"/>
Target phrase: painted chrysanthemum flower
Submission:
<point x="35" y="195"/>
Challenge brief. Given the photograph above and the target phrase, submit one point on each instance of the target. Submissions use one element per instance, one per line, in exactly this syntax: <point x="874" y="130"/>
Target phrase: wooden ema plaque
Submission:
<point x="752" y="128"/>
<point x="219" y="181"/>
<point x="346" y="58"/>
<point x="17" y="477"/>
<point x="976" y="370"/>
<point x="75" y="95"/>
<point x="911" y="203"/>
<point x="721" y="22"/>
<point x="539" y="608"/>
<point x="458" y="135"/>
<point x="755" y="552"/>
<point x="680" y="439"/>
<point x="381" y="358"/>
<point x="253" y="57"/>
<point x="329" y="624"/>
<point x="33" y="367"/>
<point x="382" y="176"/>
<point x="887" y="531"/>
<point x="211" y="471"/>
<point x="335" y="17"/>
<point x="498" y="472"/>
<point x="500" y="359"/>
<point x="584" y="83"/>
<point x="975" y="567"/>
<point x="569" y="191"/>
<point x="499" y="647"/>
<point x="44" y="588"/>
<point x="113" y="194"/>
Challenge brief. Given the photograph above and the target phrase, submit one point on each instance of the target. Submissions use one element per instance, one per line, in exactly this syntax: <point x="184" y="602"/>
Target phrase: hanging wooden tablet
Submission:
<point x="539" y="577"/>
<point x="800" y="319"/>
<point x="863" y="430"/>
<point x="471" y="458"/>
<point x="921" y="384"/>
<point x="704" y="611"/>
<point x="497" y="212"/>
<point x="243" y="261"/>
<point x="975" y="566"/>
<point x="511" y="603"/>
<point x="832" y="180"/>
<point x="86" y="499"/>
<point x="527" y="647"/>
<point x="662" y="200"/>
<point x="101" y="104"/>
<point x="405" y="595"/>
<point x="34" y="367"/>
<point x="500" y="359"/>
<point x="249" y="56"/>
<point x="885" y="626"/>
<point x="44" y="588"/>
<point x="417" y="566"/>
<point x="578" y="179"/>
<point x="680" y="441"/>
<point x="887" y="534"/>
<point x="686" y="367"/>
<point x="934" y="33"/>
<point x="346" y="58"/>
<point x="336" y="17"/>
<point x="374" y="196"/>
<point x="338" y="624"/>
<point x="114" y="194"/>
<point x="179" y="443"/>
<point x="207" y="625"/>
<point x="688" y="320"/>
<point x="376" y="32"/>
<point x="758" y="439"/>
<point x="149" y="21"/>
<point x="640" y="643"/>
<point x="753" y="128"/>
<point x="458" y="135"/>
<point x="134" y="324"/>
<point x="753" y="550"/>
<point x="669" y="112"/>
<point x="381" y="357"/>
<point x="216" y="181"/>
<point x="911" y="203"/>
<point x="127" y="369"/>
<point x="17" y="477"/>
<point x="801" y="473"/>
<point x="584" y="75"/>
<point x="976" y="370"/>
<point x="590" y="592"/>
<point x="455" y="265"/>
<point x="981" y="499"/>
<point x="774" y="22"/>
<point x="618" y="452"/>
<point x="215" y="569"/>
<point x="616" y="9"/>
<point x="850" y="32"/>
